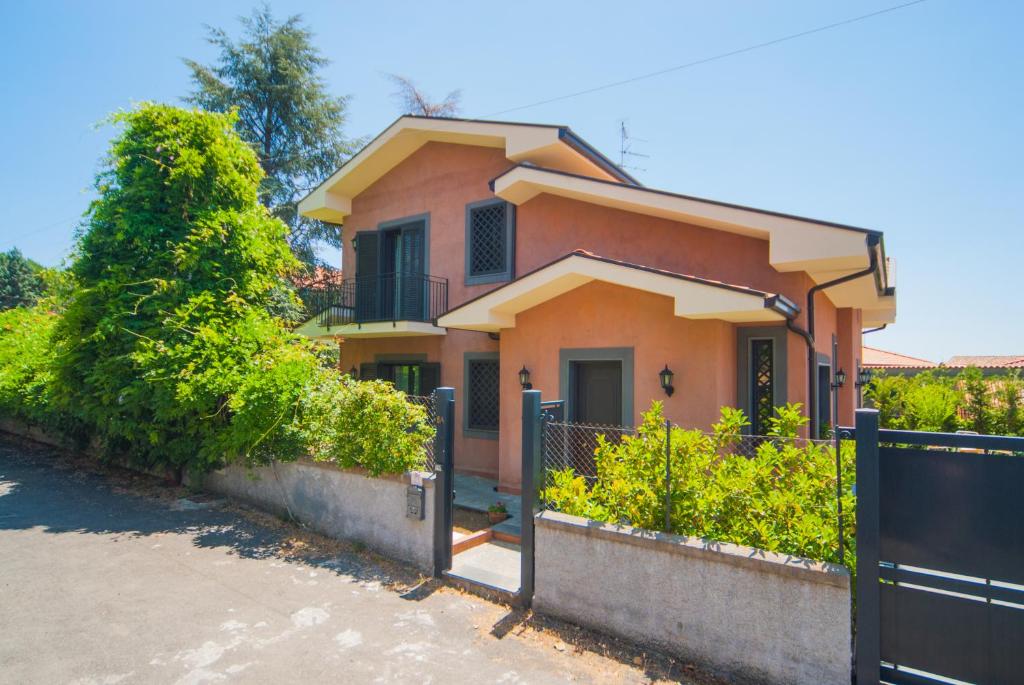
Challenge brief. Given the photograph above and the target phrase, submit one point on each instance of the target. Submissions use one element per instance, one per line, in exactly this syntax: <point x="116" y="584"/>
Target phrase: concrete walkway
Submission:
<point x="102" y="584"/>
<point x="477" y="494"/>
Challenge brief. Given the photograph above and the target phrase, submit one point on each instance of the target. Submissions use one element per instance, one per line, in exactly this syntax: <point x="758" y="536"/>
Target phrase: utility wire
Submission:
<point x="712" y="58"/>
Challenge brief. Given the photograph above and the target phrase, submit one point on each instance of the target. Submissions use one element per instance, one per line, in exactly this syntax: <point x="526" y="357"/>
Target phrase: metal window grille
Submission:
<point x="482" y="394"/>
<point x="763" y="377"/>
<point x="488" y="236"/>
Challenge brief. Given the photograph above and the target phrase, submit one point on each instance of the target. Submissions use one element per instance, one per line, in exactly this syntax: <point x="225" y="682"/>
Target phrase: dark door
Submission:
<point x="402" y="267"/>
<point x="411" y="272"/>
<point x="597" y="392"/>
<point x="595" y="398"/>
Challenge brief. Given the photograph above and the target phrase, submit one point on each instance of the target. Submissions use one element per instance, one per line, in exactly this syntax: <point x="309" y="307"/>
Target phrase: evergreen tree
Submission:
<point x="21" y="281"/>
<point x="271" y="75"/>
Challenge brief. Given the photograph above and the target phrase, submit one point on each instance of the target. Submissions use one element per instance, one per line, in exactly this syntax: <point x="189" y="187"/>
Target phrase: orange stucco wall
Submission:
<point x="701" y="353"/>
<point x="441" y="179"/>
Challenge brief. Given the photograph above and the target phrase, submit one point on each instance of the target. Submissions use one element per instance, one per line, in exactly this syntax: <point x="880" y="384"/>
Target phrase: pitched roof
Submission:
<point x="875" y="358"/>
<point x="693" y="297"/>
<point x="555" y="146"/>
<point x="990" y="361"/>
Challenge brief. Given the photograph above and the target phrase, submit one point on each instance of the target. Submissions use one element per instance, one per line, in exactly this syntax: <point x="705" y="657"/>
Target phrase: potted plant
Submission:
<point x="497" y="512"/>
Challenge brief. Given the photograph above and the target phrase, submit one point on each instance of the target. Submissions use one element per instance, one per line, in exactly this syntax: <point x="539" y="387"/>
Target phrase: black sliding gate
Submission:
<point x="940" y="556"/>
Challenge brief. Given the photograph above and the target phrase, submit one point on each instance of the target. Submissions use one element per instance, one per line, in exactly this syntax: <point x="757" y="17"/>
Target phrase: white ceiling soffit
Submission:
<point x="542" y="145"/>
<point x="692" y="299"/>
<point x="795" y="244"/>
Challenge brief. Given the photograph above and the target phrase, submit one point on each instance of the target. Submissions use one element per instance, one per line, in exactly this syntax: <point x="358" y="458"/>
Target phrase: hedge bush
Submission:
<point x="167" y="352"/>
<point x="781" y="499"/>
<point x="932" y="401"/>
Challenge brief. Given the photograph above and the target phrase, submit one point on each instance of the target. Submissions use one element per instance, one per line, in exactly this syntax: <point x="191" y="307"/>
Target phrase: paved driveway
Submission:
<point x="111" y="578"/>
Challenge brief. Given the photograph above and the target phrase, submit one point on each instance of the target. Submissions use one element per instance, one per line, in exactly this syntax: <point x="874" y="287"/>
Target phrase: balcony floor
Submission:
<point x="377" y="329"/>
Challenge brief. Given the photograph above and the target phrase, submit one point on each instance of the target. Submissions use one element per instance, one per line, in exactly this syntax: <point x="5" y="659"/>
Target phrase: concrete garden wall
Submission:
<point x="345" y="504"/>
<point x="340" y="503"/>
<point x="750" y="614"/>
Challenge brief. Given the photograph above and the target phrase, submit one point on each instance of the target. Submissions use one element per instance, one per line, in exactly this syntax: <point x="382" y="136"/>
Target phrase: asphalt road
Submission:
<point x="109" y="577"/>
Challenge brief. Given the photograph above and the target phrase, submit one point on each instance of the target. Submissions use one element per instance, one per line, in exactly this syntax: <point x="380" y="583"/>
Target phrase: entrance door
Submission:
<point x="596" y="392"/>
<point x="402" y="269"/>
<point x="595" y="398"/>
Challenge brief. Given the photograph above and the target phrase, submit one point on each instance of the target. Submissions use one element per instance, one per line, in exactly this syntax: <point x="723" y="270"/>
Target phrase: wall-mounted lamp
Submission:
<point x="863" y="377"/>
<point x="666" y="376"/>
<point x="524" y="378"/>
<point x="353" y="372"/>
<point x="840" y="379"/>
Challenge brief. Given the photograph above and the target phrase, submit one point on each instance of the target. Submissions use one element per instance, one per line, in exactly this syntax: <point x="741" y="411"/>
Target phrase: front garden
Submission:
<point x="777" y="493"/>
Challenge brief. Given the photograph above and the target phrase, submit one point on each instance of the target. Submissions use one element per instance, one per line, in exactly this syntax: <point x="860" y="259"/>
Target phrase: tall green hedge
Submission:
<point x="166" y="352"/>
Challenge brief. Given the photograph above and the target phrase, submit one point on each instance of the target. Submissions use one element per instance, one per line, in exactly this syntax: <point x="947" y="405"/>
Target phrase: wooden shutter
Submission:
<point x="367" y="274"/>
<point x="413" y="268"/>
<point x="367" y="371"/>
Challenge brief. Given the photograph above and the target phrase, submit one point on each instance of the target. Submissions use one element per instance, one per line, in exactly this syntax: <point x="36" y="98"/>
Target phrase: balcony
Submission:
<point x="385" y="305"/>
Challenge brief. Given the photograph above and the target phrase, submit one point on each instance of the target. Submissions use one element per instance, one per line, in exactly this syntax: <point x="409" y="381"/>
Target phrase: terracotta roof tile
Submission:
<point x="881" y="359"/>
<point x="991" y="361"/>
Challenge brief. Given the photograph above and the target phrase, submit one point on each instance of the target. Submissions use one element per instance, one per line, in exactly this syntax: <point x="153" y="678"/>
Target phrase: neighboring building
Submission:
<point x="882" y="360"/>
<point x="989" y="364"/>
<point x="481" y="249"/>
<point x="892" y="362"/>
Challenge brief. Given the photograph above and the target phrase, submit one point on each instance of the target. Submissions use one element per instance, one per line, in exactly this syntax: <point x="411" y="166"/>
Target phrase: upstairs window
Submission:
<point x="490" y="241"/>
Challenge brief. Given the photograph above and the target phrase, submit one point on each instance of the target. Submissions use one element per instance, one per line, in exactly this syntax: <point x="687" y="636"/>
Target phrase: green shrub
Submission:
<point x="26" y="359"/>
<point x="781" y="499"/>
<point x="933" y="401"/>
<point x="166" y="352"/>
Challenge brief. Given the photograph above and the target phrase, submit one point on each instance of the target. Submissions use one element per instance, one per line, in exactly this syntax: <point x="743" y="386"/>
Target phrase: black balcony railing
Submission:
<point x="385" y="297"/>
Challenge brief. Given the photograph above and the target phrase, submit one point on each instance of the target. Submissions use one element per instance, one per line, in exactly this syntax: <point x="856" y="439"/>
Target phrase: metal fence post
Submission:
<point x="444" y="478"/>
<point x="867" y="660"/>
<point x="668" y="476"/>
<point x="532" y="437"/>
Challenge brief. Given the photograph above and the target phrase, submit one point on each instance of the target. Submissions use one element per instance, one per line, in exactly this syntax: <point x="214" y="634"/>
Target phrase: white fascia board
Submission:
<point x="691" y="299"/>
<point x="794" y="244"/>
<point x="332" y="199"/>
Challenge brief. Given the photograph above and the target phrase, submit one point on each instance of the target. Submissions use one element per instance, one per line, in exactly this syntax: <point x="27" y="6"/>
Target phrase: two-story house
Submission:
<point x="480" y="253"/>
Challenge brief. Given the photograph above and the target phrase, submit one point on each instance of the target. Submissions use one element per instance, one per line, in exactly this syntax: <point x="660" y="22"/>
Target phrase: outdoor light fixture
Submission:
<point x="353" y="372"/>
<point x="524" y="378"/>
<point x="840" y="378"/>
<point x="863" y="377"/>
<point x="665" y="376"/>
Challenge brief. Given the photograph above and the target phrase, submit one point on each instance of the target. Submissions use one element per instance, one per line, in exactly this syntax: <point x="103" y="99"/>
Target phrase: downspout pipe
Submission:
<point x="873" y="241"/>
<point x="874" y="330"/>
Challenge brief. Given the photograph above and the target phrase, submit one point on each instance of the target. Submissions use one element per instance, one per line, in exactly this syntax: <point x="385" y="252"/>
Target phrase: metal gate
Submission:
<point x="940" y="556"/>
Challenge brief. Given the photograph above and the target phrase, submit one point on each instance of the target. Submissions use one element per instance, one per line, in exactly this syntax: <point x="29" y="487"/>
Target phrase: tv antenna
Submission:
<point x="626" y="152"/>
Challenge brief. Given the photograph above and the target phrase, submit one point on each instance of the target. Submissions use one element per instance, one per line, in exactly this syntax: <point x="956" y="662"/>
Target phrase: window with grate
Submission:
<point x="482" y="393"/>
<point x="489" y="241"/>
<point x="762" y="371"/>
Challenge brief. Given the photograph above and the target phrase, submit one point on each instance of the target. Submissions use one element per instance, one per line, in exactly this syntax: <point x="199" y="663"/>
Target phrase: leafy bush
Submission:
<point x="26" y="359"/>
<point x="933" y="401"/>
<point x="166" y="351"/>
<point x="781" y="499"/>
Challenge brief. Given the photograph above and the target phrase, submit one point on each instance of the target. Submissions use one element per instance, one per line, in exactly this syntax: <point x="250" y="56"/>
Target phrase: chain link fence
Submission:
<point x="573" y="446"/>
<point x="427" y="402"/>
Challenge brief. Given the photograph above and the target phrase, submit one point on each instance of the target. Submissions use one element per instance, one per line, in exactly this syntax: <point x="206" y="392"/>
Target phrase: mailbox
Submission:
<point x="415" y="498"/>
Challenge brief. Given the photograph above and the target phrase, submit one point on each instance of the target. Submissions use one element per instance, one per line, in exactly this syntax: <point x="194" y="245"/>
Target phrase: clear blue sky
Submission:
<point x="909" y="122"/>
